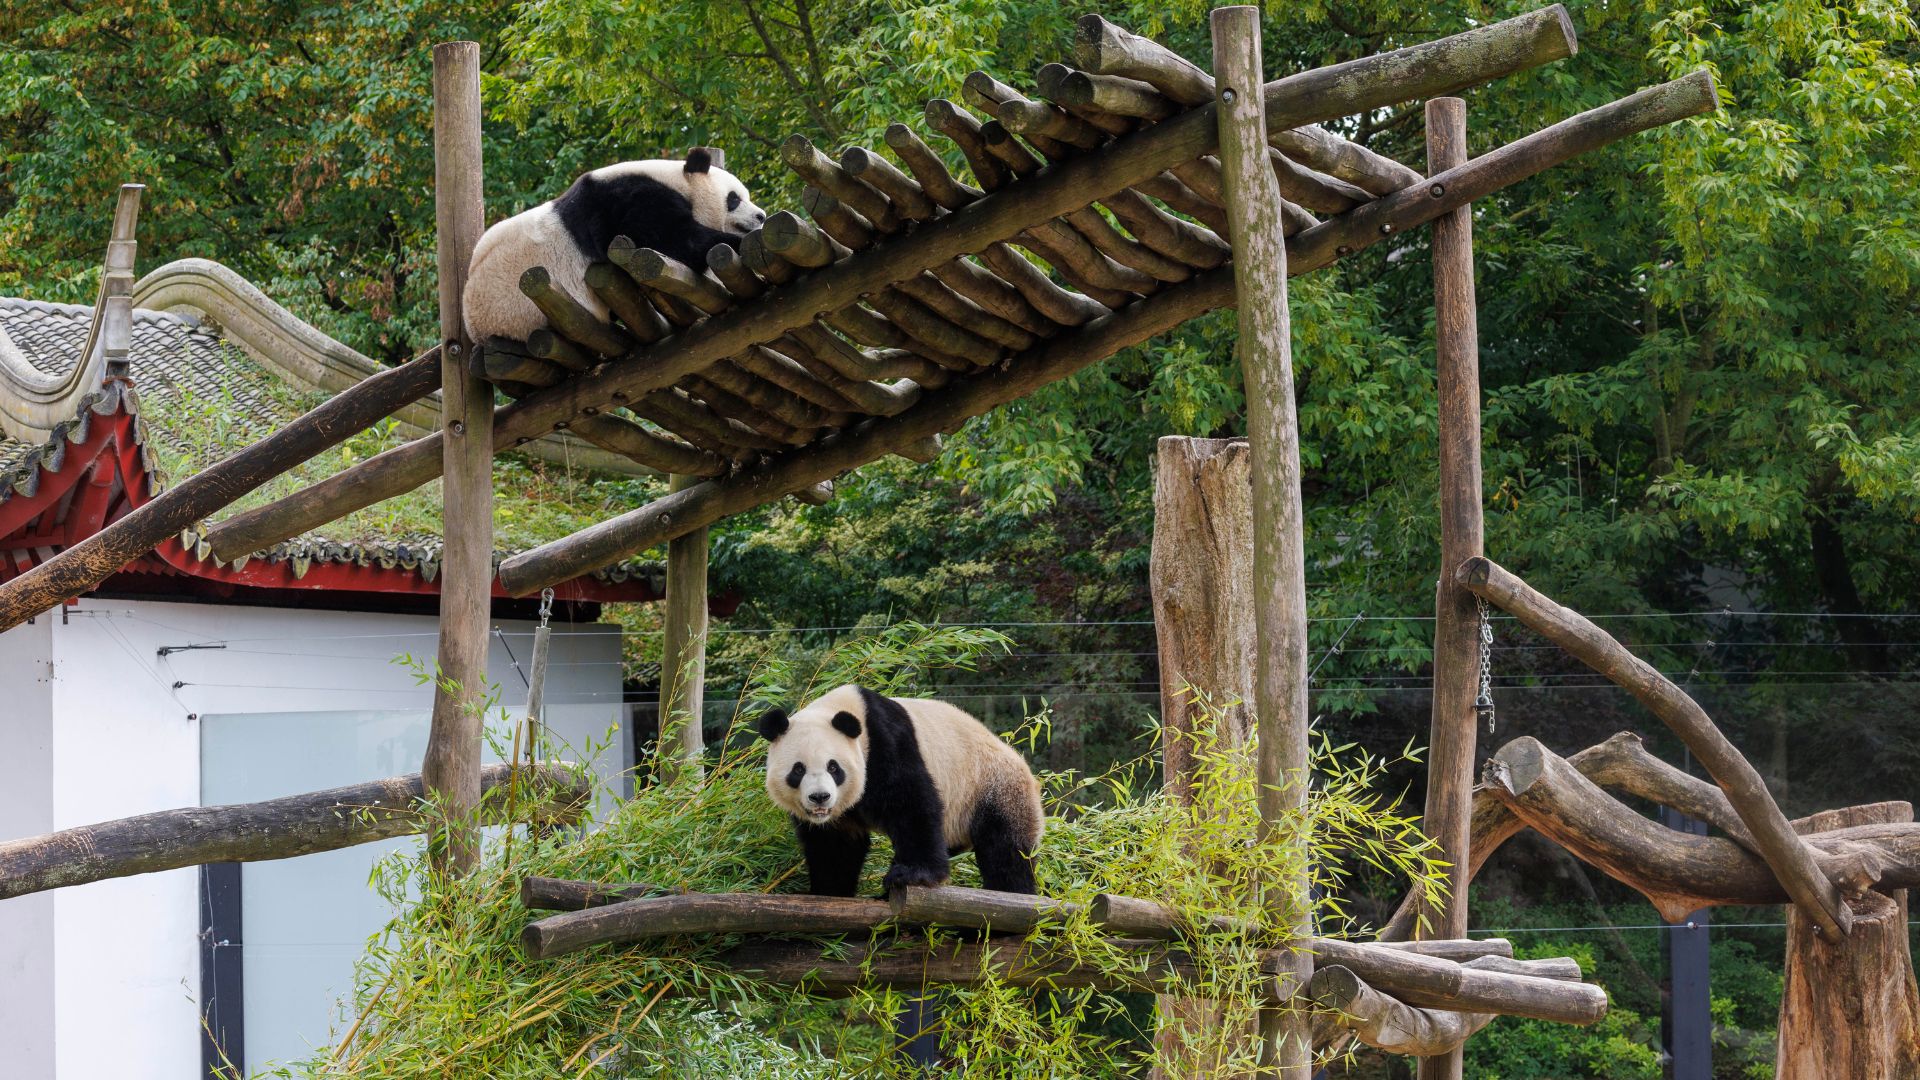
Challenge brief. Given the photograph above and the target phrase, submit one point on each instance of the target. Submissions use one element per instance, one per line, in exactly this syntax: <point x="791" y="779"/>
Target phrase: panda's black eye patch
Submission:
<point x="834" y="770"/>
<point x="796" y="774"/>
<point x="733" y="200"/>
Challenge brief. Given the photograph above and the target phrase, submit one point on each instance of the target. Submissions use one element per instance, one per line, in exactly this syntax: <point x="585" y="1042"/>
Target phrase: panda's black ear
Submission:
<point x="773" y="724"/>
<point x="702" y="158"/>
<point x="847" y="724"/>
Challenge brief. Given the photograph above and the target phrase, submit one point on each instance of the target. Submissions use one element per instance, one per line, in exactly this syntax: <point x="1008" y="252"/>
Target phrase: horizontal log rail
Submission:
<point x="1792" y="860"/>
<point x="1435" y="67"/>
<point x="274" y="829"/>
<point x="85" y="565"/>
<point x="695" y="507"/>
<point x="1386" y="1024"/>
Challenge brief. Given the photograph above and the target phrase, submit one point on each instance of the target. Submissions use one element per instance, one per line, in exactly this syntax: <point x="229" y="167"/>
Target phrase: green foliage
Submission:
<point x="1620" y="1046"/>
<point x="444" y="989"/>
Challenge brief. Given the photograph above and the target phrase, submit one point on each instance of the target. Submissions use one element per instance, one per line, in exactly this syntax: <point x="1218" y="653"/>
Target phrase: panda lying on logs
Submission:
<point x="680" y="209"/>
<point x="929" y="776"/>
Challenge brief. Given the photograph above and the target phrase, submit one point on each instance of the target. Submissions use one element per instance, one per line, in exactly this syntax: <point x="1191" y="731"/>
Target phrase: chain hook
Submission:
<point x="1483" y="705"/>
<point x="546" y="605"/>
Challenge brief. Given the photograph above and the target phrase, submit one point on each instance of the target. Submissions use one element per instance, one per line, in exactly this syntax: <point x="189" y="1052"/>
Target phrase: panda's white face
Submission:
<point x="817" y="763"/>
<point x="721" y="202"/>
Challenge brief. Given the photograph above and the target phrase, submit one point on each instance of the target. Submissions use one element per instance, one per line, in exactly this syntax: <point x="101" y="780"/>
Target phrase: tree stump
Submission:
<point x="1202" y="578"/>
<point x="1851" y="1008"/>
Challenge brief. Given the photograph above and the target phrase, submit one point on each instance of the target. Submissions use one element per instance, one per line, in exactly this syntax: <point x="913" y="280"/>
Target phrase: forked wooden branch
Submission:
<point x="1791" y="859"/>
<point x="1681" y="872"/>
<point x="274" y="829"/>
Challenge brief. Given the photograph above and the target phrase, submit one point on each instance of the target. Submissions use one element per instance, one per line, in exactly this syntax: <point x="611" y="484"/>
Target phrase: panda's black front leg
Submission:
<point x="834" y="856"/>
<point x="919" y="847"/>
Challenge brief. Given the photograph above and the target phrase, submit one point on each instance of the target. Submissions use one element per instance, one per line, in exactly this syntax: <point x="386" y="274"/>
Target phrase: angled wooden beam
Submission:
<point x="1435" y="67"/>
<point x="275" y="829"/>
<point x="1791" y="859"/>
<point x="84" y="566"/>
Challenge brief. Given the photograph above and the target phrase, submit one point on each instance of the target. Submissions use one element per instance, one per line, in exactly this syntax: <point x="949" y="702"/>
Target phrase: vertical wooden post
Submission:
<point x="1456" y="635"/>
<point x="1202" y="589"/>
<point x="683" y="658"/>
<point x="452" y="767"/>
<point x="1279" y="560"/>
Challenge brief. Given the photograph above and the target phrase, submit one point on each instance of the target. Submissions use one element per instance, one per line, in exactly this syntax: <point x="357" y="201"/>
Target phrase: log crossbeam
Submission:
<point x="1479" y="976"/>
<point x="276" y="828"/>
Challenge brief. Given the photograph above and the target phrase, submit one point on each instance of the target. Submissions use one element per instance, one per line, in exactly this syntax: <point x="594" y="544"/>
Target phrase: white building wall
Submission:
<point x="26" y="809"/>
<point x="119" y="735"/>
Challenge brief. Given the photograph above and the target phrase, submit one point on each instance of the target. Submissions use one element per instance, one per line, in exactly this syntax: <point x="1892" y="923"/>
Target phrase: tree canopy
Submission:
<point x="1698" y="345"/>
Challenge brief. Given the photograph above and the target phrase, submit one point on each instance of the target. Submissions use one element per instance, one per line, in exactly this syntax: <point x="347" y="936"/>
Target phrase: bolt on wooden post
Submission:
<point x="1456" y="640"/>
<point x="452" y="767"/>
<point x="1255" y="214"/>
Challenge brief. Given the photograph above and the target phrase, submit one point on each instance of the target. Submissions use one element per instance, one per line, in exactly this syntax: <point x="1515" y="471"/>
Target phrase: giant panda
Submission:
<point x="928" y="775"/>
<point x="679" y="208"/>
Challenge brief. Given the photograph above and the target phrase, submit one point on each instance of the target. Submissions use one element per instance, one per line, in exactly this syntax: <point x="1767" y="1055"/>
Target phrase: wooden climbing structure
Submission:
<point x="1134" y="191"/>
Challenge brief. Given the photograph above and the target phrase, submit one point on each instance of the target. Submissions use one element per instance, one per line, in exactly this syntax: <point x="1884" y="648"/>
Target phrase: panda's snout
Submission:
<point x="819" y="798"/>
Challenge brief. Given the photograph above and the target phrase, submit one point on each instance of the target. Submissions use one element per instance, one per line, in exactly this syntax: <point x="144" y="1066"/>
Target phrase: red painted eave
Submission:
<point x="103" y="477"/>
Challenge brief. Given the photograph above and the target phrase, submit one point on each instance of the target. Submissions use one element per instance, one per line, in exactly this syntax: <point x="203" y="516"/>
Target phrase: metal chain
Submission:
<point x="546" y="605"/>
<point x="1483" y="705"/>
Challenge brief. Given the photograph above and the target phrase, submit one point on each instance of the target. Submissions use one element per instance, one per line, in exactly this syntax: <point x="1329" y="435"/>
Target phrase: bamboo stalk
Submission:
<point x="274" y="829"/>
<point x="1785" y="852"/>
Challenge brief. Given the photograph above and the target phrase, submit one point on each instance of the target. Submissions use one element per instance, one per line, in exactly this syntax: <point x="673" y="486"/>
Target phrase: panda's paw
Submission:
<point x="901" y="875"/>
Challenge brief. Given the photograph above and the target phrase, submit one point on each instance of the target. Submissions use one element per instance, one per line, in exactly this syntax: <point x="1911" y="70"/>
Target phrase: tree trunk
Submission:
<point x="1851" y="1008"/>
<point x="1202" y="572"/>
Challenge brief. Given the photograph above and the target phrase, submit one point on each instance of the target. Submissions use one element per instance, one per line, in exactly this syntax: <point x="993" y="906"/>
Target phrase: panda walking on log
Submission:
<point x="928" y="775"/>
<point x="680" y="209"/>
